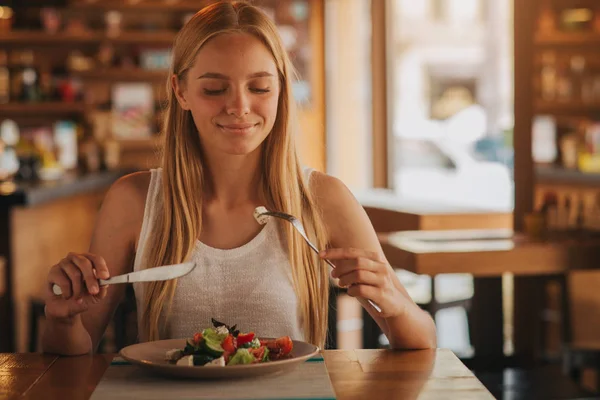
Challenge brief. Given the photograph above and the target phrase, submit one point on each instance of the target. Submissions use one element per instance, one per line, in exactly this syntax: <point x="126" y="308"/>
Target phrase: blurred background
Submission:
<point x="466" y="128"/>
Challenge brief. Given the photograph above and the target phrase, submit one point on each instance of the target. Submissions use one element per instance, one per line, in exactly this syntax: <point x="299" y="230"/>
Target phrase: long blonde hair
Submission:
<point x="179" y="224"/>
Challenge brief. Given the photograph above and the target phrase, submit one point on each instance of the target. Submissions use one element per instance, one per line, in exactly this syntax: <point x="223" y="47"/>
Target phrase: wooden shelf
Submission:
<point x="558" y="175"/>
<point x="145" y="5"/>
<point x="152" y="143"/>
<point x="567" y="107"/>
<point x="35" y="109"/>
<point x="122" y="74"/>
<point x="38" y="37"/>
<point x="568" y="39"/>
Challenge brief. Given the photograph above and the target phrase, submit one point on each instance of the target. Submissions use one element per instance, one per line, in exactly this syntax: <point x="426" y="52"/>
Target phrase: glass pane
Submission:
<point x="451" y="139"/>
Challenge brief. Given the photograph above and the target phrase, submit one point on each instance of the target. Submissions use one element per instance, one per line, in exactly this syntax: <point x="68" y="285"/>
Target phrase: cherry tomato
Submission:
<point x="243" y="338"/>
<point x="285" y="344"/>
<point x="229" y="344"/>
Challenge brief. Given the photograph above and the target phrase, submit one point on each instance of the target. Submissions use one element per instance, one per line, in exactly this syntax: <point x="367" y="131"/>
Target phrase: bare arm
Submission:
<point x="363" y="268"/>
<point x="77" y="320"/>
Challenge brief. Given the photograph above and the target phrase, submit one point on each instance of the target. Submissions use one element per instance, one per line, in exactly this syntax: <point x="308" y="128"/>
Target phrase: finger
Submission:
<point x="61" y="309"/>
<point x="352" y="265"/>
<point x="87" y="270"/>
<point x="103" y="292"/>
<point x="102" y="271"/>
<point x="348" y="253"/>
<point x="360" y="277"/>
<point x="364" y="291"/>
<point x="341" y="263"/>
<point x="75" y="276"/>
<point x="95" y="299"/>
<point x="59" y="277"/>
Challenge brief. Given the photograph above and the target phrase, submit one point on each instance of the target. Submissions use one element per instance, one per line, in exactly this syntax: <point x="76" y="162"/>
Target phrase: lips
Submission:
<point x="241" y="128"/>
<point x="236" y="126"/>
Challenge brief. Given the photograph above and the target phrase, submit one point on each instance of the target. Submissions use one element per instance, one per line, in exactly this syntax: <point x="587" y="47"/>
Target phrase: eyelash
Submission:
<point x="221" y="91"/>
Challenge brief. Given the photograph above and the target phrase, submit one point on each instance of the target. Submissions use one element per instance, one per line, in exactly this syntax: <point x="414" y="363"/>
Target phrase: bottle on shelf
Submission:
<point x="551" y="212"/>
<point x="9" y="137"/>
<point x="16" y="76"/>
<point x="597" y="20"/>
<point x="4" y="78"/>
<point x="548" y="76"/>
<point x="546" y="22"/>
<point x="30" y="78"/>
<point x="564" y="85"/>
<point x="65" y="140"/>
<point x="566" y="216"/>
<point x="46" y="89"/>
<point x="578" y="70"/>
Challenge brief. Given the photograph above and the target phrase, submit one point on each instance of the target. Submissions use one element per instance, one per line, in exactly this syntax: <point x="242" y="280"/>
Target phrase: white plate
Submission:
<point x="151" y="356"/>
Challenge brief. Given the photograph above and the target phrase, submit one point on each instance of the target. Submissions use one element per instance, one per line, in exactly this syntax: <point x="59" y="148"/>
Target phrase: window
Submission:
<point x="422" y="154"/>
<point x="452" y="97"/>
<point x="458" y="11"/>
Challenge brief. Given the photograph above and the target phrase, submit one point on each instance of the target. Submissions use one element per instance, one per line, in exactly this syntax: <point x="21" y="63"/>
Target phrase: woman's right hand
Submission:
<point x="77" y="276"/>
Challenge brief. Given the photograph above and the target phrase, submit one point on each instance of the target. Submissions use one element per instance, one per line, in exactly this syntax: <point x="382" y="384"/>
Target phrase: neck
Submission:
<point x="233" y="179"/>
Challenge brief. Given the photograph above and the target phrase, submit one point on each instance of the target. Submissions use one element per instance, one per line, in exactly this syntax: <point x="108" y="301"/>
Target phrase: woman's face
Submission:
<point x="232" y="91"/>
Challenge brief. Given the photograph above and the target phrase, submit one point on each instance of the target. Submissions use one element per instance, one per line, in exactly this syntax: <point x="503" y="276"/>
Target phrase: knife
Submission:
<point x="163" y="273"/>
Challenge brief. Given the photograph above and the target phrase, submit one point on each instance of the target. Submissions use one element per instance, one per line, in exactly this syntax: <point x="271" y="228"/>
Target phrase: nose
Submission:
<point x="238" y="103"/>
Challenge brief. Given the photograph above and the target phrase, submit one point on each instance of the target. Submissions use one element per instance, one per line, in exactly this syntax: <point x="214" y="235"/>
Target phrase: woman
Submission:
<point x="228" y="148"/>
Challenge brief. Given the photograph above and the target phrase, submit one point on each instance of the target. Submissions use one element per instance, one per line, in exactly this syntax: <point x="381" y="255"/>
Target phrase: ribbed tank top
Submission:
<point x="250" y="286"/>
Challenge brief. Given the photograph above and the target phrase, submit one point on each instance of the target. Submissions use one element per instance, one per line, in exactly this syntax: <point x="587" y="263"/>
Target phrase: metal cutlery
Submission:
<point x="163" y="273"/>
<point x="261" y="214"/>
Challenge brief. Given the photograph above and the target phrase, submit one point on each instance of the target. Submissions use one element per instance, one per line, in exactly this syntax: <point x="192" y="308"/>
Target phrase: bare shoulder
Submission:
<point x="134" y="186"/>
<point x="344" y="217"/>
<point x="128" y="193"/>
<point x="123" y="205"/>
<point x="330" y="193"/>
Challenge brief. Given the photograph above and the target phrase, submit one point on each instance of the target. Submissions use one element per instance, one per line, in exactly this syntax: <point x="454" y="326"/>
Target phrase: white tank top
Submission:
<point x="250" y="286"/>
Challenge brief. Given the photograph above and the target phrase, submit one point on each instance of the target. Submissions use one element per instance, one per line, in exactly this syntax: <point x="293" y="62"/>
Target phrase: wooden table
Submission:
<point x="389" y="213"/>
<point x="357" y="374"/>
<point x="488" y="254"/>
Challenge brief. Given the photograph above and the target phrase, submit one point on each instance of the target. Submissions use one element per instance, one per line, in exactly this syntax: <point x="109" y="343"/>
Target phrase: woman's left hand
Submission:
<point x="366" y="274"/>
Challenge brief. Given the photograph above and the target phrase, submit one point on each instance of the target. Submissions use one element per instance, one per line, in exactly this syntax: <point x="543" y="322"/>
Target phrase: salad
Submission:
<point x="223" y="345"/>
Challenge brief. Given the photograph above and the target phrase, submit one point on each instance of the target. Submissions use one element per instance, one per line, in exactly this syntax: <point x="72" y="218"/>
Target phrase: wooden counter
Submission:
<point x="39" y="224"/>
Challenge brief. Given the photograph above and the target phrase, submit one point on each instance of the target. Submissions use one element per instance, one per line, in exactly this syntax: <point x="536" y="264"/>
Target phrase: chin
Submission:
<point x="242" y="146"/>
<point x="241" y="149"/>
<point x="235" y="145"/>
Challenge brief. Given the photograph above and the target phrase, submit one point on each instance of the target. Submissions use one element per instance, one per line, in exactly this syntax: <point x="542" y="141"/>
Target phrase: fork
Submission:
<point x="261" y="214"/>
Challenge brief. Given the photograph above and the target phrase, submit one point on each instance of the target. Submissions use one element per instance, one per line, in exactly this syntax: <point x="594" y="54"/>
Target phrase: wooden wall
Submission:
<point x="311" y="140"/>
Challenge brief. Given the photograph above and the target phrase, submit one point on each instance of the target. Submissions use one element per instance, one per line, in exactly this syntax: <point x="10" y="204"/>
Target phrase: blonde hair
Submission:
<point x="179" y="224"/>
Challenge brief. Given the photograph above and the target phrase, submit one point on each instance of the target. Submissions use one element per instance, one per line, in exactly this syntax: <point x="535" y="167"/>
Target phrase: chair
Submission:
<point x="125" y="320"/>
<point x="2" y="276"/>
<point x="36" y="311"/>
<point x="581" y="343"/>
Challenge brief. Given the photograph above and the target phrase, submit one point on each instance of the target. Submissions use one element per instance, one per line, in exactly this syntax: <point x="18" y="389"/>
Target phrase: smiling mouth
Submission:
<point x="237" y="128"/>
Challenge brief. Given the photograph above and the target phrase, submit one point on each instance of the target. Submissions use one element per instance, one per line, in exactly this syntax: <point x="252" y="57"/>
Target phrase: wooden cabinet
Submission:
<point x="556" y="70"/>
<point x="41" y="236"/>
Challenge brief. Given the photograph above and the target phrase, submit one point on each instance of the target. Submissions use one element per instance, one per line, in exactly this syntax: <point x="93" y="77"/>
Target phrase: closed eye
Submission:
<point x="214" y="92"/>
<point x="217" y="92"/>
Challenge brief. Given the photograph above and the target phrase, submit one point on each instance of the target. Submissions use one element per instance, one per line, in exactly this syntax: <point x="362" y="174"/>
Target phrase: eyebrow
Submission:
<point x="216" y="75"/>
